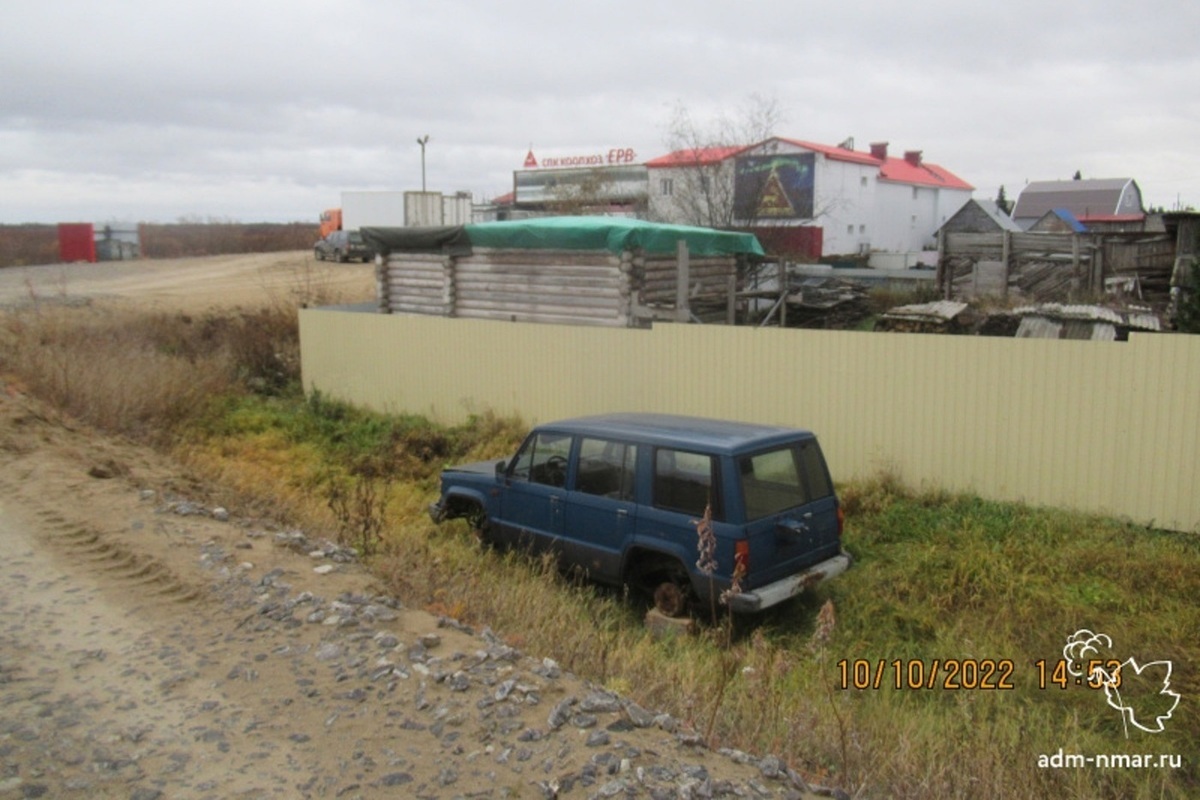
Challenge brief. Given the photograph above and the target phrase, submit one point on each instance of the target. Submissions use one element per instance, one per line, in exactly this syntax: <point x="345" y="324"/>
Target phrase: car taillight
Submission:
<point x="741" y="556"/>
<point x="841" y="521"/>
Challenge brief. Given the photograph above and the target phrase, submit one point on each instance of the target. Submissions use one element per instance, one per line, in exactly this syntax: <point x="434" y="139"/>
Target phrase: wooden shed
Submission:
<point x="570" y="270"/>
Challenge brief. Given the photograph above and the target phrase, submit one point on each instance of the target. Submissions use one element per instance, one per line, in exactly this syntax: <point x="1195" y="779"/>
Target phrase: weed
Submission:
<point x="359" y="504"/>
<point x="883" y="298"/>
<point x="937" y="576"/>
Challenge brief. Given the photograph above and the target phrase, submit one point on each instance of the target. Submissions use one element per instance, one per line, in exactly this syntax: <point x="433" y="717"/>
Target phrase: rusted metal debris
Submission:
<point x="1084" y="322"/>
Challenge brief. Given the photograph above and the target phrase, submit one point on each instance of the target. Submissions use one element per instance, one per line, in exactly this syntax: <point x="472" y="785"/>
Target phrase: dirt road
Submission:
<point x="191" y="283"/>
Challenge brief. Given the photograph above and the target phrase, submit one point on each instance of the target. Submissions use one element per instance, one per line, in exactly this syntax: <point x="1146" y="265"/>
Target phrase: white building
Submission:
<point x="809" y="199"/>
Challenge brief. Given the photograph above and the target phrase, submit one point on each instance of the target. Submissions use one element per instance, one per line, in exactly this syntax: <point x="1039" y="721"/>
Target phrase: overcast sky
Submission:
<point x="266" y="111"/>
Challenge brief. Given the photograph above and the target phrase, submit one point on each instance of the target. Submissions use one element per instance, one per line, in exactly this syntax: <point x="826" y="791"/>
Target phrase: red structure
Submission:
<point x="76" y="242"/>
<point x="798" y="243"/>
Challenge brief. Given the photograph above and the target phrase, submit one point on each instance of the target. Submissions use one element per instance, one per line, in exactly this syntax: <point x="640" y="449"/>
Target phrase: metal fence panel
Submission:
<point x="1109" y="427"/>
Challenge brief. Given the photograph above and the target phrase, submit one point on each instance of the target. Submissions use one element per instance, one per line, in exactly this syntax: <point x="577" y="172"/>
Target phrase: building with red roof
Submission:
<point x="814" y="200"/>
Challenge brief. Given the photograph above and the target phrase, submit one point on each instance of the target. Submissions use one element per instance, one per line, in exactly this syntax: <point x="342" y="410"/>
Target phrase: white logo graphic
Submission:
<point x="1141" y="693"/>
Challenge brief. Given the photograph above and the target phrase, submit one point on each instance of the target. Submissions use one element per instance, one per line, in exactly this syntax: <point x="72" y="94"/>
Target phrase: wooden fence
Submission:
<point x="1054" y="266"/>
<point x="1108" y="427"/>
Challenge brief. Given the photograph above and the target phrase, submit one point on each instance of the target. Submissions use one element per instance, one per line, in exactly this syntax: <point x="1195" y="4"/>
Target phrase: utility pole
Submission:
<point x="423" y="140"/>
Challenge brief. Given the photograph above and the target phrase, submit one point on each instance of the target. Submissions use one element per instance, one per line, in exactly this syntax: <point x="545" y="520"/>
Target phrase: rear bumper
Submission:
<point x="775" y="593"/>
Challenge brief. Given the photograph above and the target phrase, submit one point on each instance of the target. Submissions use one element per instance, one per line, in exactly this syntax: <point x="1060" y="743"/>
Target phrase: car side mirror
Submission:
<point x="500" y="469"/>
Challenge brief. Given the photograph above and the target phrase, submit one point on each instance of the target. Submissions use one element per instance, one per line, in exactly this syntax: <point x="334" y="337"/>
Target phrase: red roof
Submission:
<point x="836" y="153"/>
<point x="897" y="170"/>
<point x="504" y="199"/>
<point x="702" y="156"/>
<point x="922" y="173"/>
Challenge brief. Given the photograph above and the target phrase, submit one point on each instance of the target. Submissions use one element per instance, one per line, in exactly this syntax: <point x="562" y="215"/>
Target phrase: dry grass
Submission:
<point x="937" y="576"/>
<point x="113" y="370"/>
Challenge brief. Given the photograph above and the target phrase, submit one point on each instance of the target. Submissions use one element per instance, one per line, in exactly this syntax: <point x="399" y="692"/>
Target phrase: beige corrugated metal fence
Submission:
<point x="1110" y="427"/>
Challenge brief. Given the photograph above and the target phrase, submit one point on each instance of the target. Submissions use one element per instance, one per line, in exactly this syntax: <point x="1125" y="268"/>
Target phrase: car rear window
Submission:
<point x="782" y="478"/>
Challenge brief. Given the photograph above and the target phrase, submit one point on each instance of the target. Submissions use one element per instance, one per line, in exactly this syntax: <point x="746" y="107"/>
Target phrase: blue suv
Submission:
<point x="684" y="509"/>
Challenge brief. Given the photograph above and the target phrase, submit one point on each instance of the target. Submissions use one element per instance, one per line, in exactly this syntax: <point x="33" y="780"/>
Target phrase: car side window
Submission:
<point x="684" y="482"/>
<point x="543" y="459"/>
<point x="606" y="468"/>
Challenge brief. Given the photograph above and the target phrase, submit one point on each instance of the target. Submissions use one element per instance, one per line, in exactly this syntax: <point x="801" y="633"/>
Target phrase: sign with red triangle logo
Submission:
<point x="775" y="202"/>
<point x="530" y="161"/>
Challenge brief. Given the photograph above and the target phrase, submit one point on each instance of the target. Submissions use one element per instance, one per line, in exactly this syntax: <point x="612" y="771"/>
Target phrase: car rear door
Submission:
<point x="790" y="508"/>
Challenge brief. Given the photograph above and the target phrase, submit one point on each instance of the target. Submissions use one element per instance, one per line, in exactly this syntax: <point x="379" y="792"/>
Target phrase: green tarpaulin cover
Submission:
<point x="613" y="234"/>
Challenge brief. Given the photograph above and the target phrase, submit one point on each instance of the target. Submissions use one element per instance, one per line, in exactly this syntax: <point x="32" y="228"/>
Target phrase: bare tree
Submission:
<point x="701" y="190"/>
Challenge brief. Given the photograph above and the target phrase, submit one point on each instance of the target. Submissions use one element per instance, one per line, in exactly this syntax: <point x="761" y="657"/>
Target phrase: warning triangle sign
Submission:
<point x="530" y="161"/>
<point x="775" y="202"/>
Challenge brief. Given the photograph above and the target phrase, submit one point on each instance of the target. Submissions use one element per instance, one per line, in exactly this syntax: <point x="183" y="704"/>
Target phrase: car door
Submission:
<point x="790" y="508"/>
<point x="601" y="508"/>
<point x="685" y="489"/>
<point x="532" y="503"/>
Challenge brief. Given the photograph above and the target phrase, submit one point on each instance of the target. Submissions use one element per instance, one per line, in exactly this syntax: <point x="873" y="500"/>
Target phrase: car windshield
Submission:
<point x="776" y="480"/>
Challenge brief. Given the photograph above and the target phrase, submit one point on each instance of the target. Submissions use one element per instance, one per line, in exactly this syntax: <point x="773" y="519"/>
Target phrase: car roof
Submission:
<point x="711" y="435"/>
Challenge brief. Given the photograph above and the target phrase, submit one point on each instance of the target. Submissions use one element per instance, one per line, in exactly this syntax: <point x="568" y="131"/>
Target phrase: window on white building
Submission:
<point x="862" y="228"/>
<point x="666" y="187"/>
<point x="862" y="181"/>
<point x="850" y="230"/>
<point x="914" y="193"/>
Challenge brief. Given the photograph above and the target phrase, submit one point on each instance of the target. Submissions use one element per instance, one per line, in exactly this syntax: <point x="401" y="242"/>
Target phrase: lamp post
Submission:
<point x="423" y="140"/>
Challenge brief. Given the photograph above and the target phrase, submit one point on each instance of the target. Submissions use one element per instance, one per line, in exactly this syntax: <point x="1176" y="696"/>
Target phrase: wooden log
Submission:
<point x="545" y="318"/>
<point x="575" y="270"/>
<point x="412" y="282"/>
<point x="415" y="258"/>
<point x="485" y="290"/>
<point x="535" y="284"/>
<point x="523" y="305"/>
<point x="436" y="310"/>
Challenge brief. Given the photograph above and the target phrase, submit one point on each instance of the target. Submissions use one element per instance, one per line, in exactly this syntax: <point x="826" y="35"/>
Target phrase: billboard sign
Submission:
<point x="614" y="157"/>
<point x="774" y="186"/>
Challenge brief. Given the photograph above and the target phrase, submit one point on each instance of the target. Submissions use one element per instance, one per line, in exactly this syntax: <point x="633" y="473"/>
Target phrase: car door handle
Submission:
<point x="793" y="528"/>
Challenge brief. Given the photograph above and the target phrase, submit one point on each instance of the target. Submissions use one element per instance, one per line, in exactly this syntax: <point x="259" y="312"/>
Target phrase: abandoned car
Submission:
<point x="686" y="510"/>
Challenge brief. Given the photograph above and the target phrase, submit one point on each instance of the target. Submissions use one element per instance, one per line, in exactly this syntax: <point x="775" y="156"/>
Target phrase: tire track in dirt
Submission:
<point x="150" y="650"/>
<point x="129" y="569"/>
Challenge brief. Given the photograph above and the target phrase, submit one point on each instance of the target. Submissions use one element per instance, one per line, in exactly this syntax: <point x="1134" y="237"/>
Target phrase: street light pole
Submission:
<point x="423" y="140"/>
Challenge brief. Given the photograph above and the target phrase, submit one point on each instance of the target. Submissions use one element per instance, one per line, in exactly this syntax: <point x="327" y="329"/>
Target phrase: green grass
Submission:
<point x="937" y="577"/>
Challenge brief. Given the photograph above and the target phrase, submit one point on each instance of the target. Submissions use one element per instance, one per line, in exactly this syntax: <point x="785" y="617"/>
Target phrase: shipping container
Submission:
<point x="76" y="242"/>
<point x="370" y="209"/>
<point x="457" y="209"/>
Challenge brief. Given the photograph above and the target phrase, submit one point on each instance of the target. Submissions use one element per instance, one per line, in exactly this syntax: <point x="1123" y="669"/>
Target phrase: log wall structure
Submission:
<point x="576" y="287"/>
